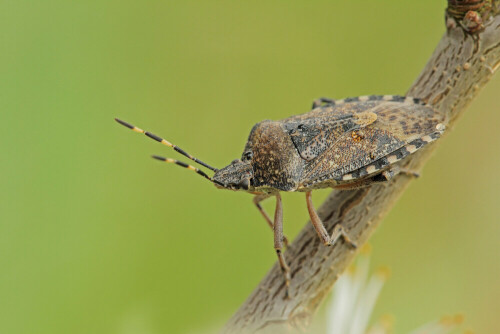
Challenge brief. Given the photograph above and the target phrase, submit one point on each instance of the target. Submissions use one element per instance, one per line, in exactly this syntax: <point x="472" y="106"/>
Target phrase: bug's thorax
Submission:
<point x="275" y="161"/>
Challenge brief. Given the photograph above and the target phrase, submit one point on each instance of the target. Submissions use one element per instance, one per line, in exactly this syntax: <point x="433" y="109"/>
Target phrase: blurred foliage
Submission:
<point x="96" y="237"/>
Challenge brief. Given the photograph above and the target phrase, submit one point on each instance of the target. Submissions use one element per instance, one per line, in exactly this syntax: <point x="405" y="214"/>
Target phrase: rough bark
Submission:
<point x="463" y="62"/>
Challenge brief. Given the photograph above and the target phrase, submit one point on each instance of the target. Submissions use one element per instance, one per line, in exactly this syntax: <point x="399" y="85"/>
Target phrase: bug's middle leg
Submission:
<point x="256" y="200"/>
<point x="278" y="241"/>
<point x="338" y="231"/>
<point x="389" y="174"/>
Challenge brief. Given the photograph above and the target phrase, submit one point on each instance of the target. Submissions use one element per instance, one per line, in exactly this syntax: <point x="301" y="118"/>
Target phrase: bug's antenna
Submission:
<point x="182" y="164"/>
<point x="165" y="142"/>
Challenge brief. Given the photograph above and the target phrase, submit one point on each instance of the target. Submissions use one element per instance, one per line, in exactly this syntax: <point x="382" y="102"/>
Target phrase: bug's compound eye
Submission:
<point x="235" y="161"/>
<point x="247" y="156"/>
<point x="244" y="184"/>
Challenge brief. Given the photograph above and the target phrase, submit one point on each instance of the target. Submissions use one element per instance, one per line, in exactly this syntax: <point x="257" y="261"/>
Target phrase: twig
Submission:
<point x="463" y="62"/>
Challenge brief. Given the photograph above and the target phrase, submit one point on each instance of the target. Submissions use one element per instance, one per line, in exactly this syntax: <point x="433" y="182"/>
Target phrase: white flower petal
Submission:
<point x="339" y="310"/>
<point x="354" y="299"/>
<point x="366" y="302"/>
<point x="346" y="294"/>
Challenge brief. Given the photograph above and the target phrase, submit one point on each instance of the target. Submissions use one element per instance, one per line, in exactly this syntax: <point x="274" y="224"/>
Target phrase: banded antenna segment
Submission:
<point x="182" y="164"/>
<point x="165" y="142"/>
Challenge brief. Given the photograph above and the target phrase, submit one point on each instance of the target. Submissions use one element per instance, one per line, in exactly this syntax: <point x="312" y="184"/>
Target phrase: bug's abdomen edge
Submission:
<point x="394" y="156"/>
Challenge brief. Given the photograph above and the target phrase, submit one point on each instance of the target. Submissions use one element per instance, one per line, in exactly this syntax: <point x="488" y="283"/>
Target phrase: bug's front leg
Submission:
<point x="278" y="241"/>
<point x="256" y="200"/>
<point x="338" y="231"/>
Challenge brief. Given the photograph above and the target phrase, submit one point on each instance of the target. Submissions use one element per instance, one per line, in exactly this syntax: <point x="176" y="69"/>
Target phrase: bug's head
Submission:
<point x="236" y="176"/>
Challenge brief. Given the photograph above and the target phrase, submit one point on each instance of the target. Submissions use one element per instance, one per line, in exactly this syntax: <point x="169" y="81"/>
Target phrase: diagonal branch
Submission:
<point x="463" y="62"/>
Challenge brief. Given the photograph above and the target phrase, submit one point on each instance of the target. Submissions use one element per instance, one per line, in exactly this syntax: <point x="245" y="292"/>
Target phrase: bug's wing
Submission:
<point x="316" y="131"/>
<point x="400" y="129"/>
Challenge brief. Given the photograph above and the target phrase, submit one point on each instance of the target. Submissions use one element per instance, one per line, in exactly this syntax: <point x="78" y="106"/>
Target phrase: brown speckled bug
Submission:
<point x="342" y="144"/>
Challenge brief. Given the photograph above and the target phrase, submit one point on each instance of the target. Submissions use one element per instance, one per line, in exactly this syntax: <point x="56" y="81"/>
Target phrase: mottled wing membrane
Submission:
<point x="362" y="150"/>
<point x="348" y="154"/>
<point x="313" y="134"/>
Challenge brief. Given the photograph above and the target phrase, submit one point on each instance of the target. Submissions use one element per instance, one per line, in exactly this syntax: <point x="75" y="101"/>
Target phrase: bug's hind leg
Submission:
<point x="338" y="230"/>
<point x="407" y="172"/>
<point x="378" y="178"/>
<point x="319" y="101"/>
<point x="392" y="172"/>
<point x="278" y="242"/>
<point x="256" y="200"/>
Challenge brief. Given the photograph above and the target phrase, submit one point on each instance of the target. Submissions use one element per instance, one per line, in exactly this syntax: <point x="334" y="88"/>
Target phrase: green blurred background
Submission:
<point x="96" y="237"/>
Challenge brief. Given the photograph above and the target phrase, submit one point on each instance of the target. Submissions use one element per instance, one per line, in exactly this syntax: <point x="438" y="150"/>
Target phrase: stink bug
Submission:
<point x="342" y="144"/>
